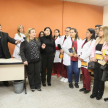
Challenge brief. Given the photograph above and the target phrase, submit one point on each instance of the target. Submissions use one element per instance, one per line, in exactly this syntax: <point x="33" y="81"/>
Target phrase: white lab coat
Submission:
<point x="68" y="44"/>
<point x="87" y="50"/>
<point x="61" y="39"/>
<point x="57" y="59"/>
<point x="17" y="47"/>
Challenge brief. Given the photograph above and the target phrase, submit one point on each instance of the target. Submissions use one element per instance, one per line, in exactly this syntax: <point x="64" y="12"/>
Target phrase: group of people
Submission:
<point x="65" y="55"/>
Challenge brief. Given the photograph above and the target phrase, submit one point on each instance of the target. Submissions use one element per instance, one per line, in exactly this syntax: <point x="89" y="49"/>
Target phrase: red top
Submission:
<point x="57" y="46"/>
<point x="75" y="46"/>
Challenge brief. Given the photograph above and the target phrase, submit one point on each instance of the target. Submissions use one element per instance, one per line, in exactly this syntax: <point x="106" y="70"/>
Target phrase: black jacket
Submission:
<point x="50" y="45"/>
<point x="25" y="51"/>
<point x="4" y="42"/>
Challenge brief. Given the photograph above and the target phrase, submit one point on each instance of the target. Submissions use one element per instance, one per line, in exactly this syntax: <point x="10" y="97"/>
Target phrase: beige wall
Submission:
<point x="105" y="16"/>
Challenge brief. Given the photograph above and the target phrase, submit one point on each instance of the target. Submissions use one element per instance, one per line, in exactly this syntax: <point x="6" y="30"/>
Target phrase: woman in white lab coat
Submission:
<point x="85" y="56"/>
<point x="71" y="56"/>
<point x="18" y="36"/>
<point x="57" y="60"/>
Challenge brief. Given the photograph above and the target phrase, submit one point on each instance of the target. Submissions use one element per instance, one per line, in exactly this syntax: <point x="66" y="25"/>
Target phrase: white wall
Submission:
<point x="105" y="16"/>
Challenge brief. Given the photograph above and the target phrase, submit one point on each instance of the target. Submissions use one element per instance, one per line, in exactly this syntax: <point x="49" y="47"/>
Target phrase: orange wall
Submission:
<point x="52" y="13"/>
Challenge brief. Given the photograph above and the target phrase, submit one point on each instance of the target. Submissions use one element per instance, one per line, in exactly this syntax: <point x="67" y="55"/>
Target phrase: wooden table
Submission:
<point x="12" y="69"/>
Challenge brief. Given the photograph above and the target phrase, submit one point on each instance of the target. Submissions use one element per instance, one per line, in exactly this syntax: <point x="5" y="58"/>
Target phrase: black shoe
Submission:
<point x="49" y="84"/>
<point x="76" y="85"/>
<point x="39" y="89"/>
<point x="71" y="85"/>
<point x="44" y="84"/>
<point x="92" y="96"/>
<point x="98" y="97"/>
<point x="82" y="89"/>
<point x="86" y="91"/>
<point x="32" y="90"/>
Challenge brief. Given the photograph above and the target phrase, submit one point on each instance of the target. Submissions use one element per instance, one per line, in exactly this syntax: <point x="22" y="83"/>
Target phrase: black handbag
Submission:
<point x="105" y="76"/>
<point x="91" y="65"/>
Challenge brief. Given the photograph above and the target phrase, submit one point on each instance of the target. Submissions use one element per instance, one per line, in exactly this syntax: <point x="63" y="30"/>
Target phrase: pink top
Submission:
<point x="104" y="47"/>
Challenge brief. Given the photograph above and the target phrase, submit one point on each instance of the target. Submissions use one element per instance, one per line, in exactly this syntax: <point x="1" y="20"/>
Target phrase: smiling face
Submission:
<point x="32" y="34"/>
<point x="72" y="33"/>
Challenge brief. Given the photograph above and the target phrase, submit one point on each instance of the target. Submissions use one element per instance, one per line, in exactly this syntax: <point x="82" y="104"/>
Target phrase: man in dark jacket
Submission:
<point x="4" y="50"/>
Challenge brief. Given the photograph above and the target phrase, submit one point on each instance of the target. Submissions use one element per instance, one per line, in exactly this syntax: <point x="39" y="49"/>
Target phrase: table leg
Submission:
<point x="25" y="80"/>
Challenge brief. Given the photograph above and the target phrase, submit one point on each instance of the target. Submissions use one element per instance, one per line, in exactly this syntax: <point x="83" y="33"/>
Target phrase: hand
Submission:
<point x="43" y="46"/>
<point x="61" y="51"/>
<point x="70" y="54"/>
<point x="75" y="55"/>
<point x="26" y="63"/>
<point x="80" y="59"/>
<point x="105" y="58"/>
<point x="17" y="42"/>
<point x="93" y="59"/>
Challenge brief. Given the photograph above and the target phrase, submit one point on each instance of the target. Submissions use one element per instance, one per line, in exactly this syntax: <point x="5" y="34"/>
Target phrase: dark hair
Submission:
<point x="0" y="24"/>
<point x="75" y="30"/>
<point x="40" y="33"/>
<point x="50" y="32"/>
<point x="92" y="31"/>
<point x="68" y="28"/>
<point x="98" y="25"/>
<point x="58" y="32"/>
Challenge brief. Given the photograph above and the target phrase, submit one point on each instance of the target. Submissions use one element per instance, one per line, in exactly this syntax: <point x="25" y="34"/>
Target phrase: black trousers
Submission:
<point x="33" y="72"/>
<point x="98" y="87"/>
<point x="47" y="63"/>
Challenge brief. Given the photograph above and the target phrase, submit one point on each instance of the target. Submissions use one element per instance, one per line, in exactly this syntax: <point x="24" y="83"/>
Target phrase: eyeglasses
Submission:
<point x="66" y="31"/>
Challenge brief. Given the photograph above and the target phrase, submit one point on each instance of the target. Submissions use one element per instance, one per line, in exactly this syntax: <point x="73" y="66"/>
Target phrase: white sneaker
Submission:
<point x="62" y="79"/>
<point x="66" y="80"/>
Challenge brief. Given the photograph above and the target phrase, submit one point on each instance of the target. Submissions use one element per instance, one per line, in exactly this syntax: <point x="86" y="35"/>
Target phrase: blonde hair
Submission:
<point x="105" y="30"/>
<point x="18" y="30"/>
<point x="27" y="34"/>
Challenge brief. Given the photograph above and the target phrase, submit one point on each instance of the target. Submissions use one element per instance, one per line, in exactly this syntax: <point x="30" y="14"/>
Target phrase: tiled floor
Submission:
<point x="59" y="95"/>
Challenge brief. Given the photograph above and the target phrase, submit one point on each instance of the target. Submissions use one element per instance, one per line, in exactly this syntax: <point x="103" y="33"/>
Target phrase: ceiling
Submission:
<point x="91" y="2"/>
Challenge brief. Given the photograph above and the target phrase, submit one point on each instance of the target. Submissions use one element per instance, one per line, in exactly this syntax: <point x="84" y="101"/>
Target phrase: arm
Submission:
<point x="54" y="46"/>
<point x="88" y="53"/>
<point x="66" y="50"/>
<point x="16" y="38"/>
<point x="11" y="40"/>
<point x="22" y="48"/>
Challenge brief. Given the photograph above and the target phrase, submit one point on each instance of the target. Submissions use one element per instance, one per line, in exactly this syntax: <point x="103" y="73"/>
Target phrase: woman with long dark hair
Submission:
<point x="57" y="60"/>
<point x="41" y="34"/>
<point x="72" y="47"/>
<point x="84" y="57"/>
<point x="47" y="55"/>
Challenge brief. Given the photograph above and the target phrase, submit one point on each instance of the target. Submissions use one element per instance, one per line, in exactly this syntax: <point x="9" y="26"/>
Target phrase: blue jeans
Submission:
<point x="73" y="68"/>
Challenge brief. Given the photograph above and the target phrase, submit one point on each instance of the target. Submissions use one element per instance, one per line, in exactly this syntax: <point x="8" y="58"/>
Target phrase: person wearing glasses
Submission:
<point x="61" y="42"/>
<point x="97" y="30"/>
